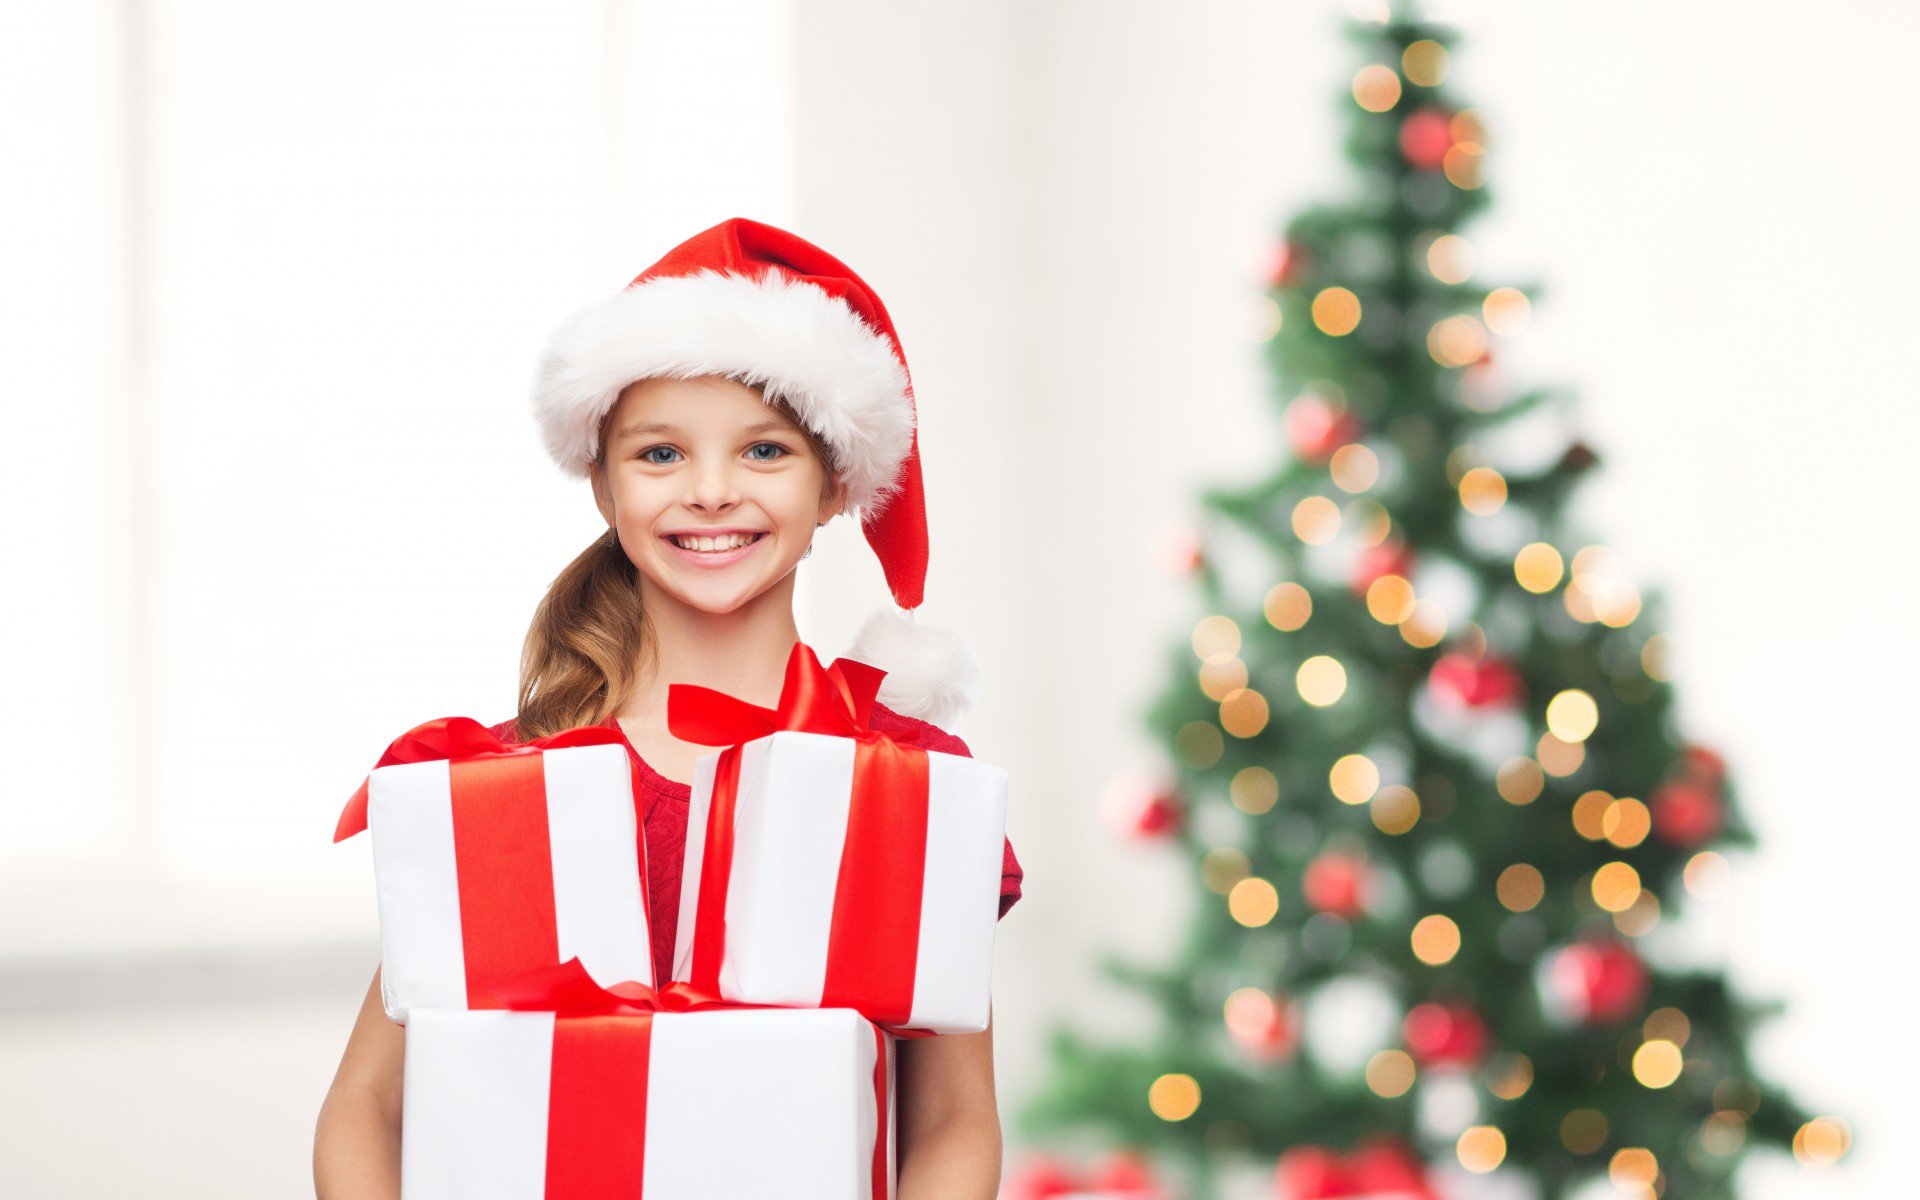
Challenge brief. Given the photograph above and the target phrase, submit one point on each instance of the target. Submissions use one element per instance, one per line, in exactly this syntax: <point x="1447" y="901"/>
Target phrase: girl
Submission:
<point x="738" y="395"/>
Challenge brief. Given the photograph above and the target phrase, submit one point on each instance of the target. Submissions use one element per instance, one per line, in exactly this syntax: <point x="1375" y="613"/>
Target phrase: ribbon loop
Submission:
<point x="458" y="738"/>
<point x="813" y="699"/>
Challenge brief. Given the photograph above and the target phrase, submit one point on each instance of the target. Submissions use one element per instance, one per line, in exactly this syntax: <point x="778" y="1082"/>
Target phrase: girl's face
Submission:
<point x="709" y="457"/>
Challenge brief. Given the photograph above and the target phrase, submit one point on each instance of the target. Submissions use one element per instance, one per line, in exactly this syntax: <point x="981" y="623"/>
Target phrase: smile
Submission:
<point x="725" y="553"/>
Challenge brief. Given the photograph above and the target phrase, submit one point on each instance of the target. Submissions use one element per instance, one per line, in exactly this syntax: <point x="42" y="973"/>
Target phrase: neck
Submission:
<point x="742" y="653"/>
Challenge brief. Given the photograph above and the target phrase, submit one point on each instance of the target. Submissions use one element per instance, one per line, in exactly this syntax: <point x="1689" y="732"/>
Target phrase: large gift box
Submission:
<point x="492" y="858"/>
<point x="665" y="1094"/>
<point x="829" y="866"/>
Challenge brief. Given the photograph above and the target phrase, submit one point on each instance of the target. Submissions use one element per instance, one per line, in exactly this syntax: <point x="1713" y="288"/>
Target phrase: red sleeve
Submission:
<point x="935" y="738"/>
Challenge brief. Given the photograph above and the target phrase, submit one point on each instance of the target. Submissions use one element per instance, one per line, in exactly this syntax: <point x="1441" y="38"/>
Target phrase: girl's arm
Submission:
<point x="356" y="1144"/>
<point x="948" y="1145"/>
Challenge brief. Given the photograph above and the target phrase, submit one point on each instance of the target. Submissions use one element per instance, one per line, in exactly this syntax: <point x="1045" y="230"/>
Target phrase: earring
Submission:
<point x="807" y="551"/>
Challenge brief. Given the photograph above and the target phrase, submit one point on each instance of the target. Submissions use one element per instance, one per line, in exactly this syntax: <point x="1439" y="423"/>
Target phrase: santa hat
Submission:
<point x="758" y="304"/>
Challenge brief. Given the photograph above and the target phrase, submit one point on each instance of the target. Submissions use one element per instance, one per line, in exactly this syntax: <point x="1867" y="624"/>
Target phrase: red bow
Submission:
<point x="458" y="738"/>
<point x="813" y="699"/>
<point x="566" y="988"/>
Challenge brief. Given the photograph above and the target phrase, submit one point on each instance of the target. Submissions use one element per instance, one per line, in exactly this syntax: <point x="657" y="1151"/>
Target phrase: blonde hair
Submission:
<point x="589" y="635"/>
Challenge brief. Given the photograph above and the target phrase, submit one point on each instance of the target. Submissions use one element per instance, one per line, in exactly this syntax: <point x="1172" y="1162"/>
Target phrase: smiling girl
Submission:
<point x="737" y="396"/>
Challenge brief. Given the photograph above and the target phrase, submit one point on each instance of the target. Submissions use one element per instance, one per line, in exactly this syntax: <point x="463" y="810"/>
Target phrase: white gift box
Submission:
<point x="467" y="890"/>
<point x="790" y="830"/>
<point x="739" y="1104"/>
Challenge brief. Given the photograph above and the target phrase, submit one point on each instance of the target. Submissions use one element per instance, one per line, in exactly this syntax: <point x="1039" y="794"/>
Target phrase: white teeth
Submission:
<point x="731" y="541"/>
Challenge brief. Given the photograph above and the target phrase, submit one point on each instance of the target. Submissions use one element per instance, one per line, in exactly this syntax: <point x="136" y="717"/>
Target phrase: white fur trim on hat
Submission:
<point x="931" y="672"/>
<point x="787" y="336"/>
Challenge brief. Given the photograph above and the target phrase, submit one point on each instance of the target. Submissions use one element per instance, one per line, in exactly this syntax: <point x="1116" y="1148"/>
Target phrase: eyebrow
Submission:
<point x="664" y="427"/>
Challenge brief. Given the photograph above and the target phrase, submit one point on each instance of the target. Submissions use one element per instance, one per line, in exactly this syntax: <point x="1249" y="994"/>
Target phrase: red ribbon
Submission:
<point x="1379" y="1167"/>
<point x="458" y="738"/>
<point x="874" y="937"/>
<point x="597" y="1084"/>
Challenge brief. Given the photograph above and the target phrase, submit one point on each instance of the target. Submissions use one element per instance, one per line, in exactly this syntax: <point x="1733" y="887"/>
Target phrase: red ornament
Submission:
<point x="1290" y="262"/>
<point x="1703" y="764"/>
<point x="1378" y="1168"/>
<point x="1597" y="982"/>
<point x="1686" y="813"/>
<point x="1445" y="1033"/>
<point x="1265" y="1028"/>
<point x="1337" y="883"/>
<point x="1138" y="808"/>
<point x="1391" y="557"/>
<point x="1425" y="138"/>
<point x="1462" y="681"/>
<point x="1316" y="428"/>
<point x="1123" y="1173"/>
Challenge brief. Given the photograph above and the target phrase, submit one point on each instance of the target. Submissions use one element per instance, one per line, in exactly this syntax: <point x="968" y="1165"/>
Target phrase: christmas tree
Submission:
<point x="1423" y="753"/>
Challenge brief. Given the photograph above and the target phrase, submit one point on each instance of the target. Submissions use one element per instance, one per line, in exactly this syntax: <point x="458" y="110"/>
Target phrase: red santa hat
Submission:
<point x="760" y="305"/>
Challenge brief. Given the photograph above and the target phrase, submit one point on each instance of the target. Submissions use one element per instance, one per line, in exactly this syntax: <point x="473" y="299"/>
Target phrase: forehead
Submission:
<point x="707" y="404"/>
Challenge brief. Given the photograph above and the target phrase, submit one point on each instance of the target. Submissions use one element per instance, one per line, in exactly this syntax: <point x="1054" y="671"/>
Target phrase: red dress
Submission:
<point x="664" y="817"/>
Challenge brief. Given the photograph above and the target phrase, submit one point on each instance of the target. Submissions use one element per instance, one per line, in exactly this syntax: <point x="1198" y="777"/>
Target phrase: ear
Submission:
<point x="833" y="499"/>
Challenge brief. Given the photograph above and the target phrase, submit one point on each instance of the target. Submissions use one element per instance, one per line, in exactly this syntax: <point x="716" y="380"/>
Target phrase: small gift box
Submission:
<point x="492" y="858"/>
<point x="828" y="866"/>
<point x="636" y="1092"/>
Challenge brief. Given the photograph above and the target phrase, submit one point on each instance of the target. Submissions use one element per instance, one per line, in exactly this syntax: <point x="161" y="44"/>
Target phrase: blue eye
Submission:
<point x="775" y="445"/>
<point x="647" y="454"/>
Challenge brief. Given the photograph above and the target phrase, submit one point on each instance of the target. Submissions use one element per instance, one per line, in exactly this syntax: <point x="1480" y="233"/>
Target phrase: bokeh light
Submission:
<point x="1391" y="1073"/>
<point x="1396" y="809"/>
<point x="1519" y="781"/>
<point x="1253" y="902"/>
<point x="1616" y="885"/>
<point x="1481" y="1148"/>
<point x="1583" y="1130"/>
<point x="1216" y="638"/>
<point x="1287" y="606"/>
<point x="1436" y="939"/>
<point x="1376" y="88"/>
<point x="1254" y="790"/>
<point x="1483" y="491"/>
<point x="1450" y="258"/>
<point x="1656" y="1064"/>
<point x="1390" y="599"/>
<point x="1425" y="63"/>
<point x="1316" y="520"/>
<point x="1521" y="887"/>
<point x="1243" y="713"/>
<point x="1321" y="680"/>
<point x="1354" y="778"/>
<point x="1572" y="715"/>
<point x="1336" y="311"/>
<point x="1174" y="1097"/>
<point x="1538" y="567"/>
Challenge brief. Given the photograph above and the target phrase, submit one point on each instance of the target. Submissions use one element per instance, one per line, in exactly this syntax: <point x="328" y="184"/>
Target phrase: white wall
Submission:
<point x="366" y="218"/>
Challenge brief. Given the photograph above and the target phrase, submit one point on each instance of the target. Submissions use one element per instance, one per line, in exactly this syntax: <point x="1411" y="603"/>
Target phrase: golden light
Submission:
<point x="1655" y="655"/>
<point x="1287" y="606"/>
<point x="1590" y="814"/>
<point x="1465" y="165"/>
<point x="1199" y="744"/>
<point x="1722" y="1134"/>
<point x="1456" y="341"/>
<point x="1507" y="311"/>
<point x="1656" y="1064"/>
<point x="1321" y="680"/>
<point x="1509" y="1075"/>
<point x="1451" y="258"/>
<point x="1354" y="778"/>
<point x="1316" y="520"/>
<point x="1254" y="790"/>
<point x="1396" y="809"/>
<point x="1425" y="63"/>
<point x="1822" y="1141"/>
<point x="1244" y="713"/>
<point x="1538" y="567"/>
<point x="1572" y="715"/>
<point x="1376" y="88"/>
<point x="1583" y="1130"/>
<point x="1263" y="318"/>
<point x="1436" y="939"/>
<point x="1174" y="1097"/>
<point x="1467" y="126"/>
<point x="1667" y="1024"/>
<point x="1639" y="918"/>
<point x="1390" y="599"/>
<point x="1250" y="1012"/>
<point x="1633" y="1167"/>
<point x="1219" y="678"/>
<point x="1483" y="491"/>
<point x="1706" y="875"/>
<point x="1616" y="885"/>
<point x="1223" y="867"/>
<point x="1355" y="467"/>
<point x="1558" y="758"/>
<point x="1519" y="781"/>
<point x="1390" y="1073"/>
<point x="1426" y="626"/>
<point x="1481" y="1148"/>
<point x="1336" y="311"/>
<point x="1626" y="823"/>
<point x="1521" y="887"/>
<point x="1253" y="902"/>
<point x="1216" y="638"/>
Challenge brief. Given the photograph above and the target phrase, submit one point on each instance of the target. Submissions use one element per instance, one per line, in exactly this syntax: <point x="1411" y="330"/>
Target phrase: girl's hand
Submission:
<point x="356" y="1143"/>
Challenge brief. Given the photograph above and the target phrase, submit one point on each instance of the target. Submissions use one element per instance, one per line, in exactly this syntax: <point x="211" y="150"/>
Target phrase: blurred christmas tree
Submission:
<point x="1427" y="767"/>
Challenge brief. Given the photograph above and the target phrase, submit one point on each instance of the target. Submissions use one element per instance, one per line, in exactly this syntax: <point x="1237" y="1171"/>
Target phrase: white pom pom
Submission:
<point x="931" y="672"/>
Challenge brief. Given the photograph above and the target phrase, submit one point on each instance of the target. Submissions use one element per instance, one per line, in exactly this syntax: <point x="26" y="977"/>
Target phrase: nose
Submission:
<point x="715" y="486"/>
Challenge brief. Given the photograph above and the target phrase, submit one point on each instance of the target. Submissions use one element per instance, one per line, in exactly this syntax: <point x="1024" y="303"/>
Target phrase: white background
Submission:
<point x="277" y="277"/>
